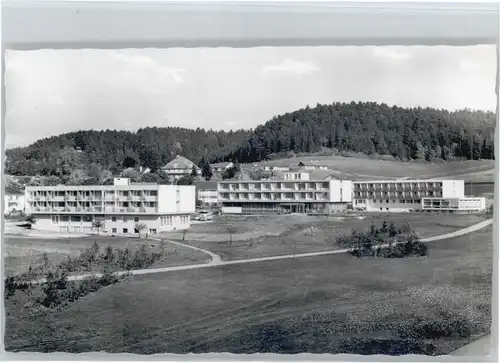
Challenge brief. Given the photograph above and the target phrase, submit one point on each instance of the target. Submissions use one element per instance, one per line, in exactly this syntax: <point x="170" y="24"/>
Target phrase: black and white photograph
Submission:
<point x="267" y="199"/>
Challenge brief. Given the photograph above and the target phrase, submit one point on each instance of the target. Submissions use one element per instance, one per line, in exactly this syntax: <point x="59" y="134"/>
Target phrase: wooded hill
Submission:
<point x="369" y="128"/>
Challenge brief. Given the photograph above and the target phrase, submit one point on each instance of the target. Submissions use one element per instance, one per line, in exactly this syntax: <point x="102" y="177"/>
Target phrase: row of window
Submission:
<point x="125" y="230"/>
<point x="398" y="185"/>
<point x="88" y="193"/>
<point x="285" y="185"/>
<point x="387" y="201"/>
<point x="169" y="220"/>
<point x="62" y="218"/>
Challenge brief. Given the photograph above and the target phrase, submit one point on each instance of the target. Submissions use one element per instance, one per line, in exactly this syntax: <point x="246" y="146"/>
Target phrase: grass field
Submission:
<point x="279" y="235"/>
<point x="21" y="252"/>
<point x="356" y="168"/>
<point x="326" y="304"/>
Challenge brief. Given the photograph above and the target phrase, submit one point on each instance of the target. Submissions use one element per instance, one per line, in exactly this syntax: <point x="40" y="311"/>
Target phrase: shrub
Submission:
<point x="364" y="244"/>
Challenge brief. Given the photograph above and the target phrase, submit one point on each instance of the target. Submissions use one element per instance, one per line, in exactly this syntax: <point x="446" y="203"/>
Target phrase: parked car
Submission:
<point x="206" y="216"/>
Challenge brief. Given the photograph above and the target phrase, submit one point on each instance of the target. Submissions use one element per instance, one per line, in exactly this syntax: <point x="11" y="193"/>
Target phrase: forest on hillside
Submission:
<point x="368" y="128"/>
<point x="371" y="128"/>
<point x="151" y="147"/>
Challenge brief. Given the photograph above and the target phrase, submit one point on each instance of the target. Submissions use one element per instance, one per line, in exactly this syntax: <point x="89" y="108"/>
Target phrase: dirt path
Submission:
<point x="217" y="261"/>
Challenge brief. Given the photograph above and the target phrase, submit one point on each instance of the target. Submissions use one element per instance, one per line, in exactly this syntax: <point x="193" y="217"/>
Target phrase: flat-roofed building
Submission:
<point x="402" y="195"/>
<point x="120" y="207"/>
<point x="465" y="204"/>
<point x="206" y="192"/>
<point x="296" y="196"/>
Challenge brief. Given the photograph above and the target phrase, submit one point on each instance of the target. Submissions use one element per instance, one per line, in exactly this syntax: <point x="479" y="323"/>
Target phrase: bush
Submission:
<point x="57" y="290"/>
<point x="367" y="244"/>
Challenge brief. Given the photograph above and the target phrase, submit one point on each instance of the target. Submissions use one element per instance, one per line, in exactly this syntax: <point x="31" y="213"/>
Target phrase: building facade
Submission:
<point x="120" y="208"/>
<point x="295" y="196"/>
<point x="206" y="192"/>
<point x="402" y="195"/>
<point x="14" y="202"/>
<point x="221" y="167"/>
<point x="180" y="167"/>
<point x="465" y="204"/>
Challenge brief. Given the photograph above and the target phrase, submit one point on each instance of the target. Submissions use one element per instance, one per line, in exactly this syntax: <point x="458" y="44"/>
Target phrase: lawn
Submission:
<point x="280" y="235"/>
<point x="326" y="304"/>
<point x="357" y="168"/>
<point x="21" y="252"/>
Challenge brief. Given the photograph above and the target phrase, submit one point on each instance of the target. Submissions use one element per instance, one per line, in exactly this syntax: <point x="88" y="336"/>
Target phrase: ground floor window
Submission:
<point x="152" y="230"/>
<point x="136" y="219"/>
<point x="113" y="230"/>
<point x="125" y="230"/>
<point x="55" y="219"/>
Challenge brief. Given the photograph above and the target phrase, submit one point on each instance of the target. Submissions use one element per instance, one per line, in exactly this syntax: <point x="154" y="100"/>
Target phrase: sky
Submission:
<point x="50" y="92"/>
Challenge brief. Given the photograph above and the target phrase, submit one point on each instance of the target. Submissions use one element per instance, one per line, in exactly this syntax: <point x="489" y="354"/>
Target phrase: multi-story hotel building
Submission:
<point x="120" y="207"/>
<point x="403" y="195"/>
<point x="294" y="193"/>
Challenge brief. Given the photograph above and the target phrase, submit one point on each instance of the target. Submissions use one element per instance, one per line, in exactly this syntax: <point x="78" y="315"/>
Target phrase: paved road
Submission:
<point x="479" y="348"/>
<point x="217" y="261"/>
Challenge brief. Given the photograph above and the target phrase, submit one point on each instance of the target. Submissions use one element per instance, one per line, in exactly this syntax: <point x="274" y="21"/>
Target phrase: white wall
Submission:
<point x="121" y="181"/>
<point x="453" y="189"/>
<point x="14" y="202"/>
<point x="176" y="199"/>
<point x="231" y="209"/>
<point x="336" y="195"/>
<point x="472" y="204"/>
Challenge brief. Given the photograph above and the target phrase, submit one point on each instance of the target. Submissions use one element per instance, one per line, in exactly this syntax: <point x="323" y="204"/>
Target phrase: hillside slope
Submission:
<point x="367" y="128"/>
<point x="151" y="147"/>
<point x="371" y="128"/>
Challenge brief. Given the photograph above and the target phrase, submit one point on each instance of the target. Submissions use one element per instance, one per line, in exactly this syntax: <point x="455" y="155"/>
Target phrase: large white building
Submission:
<point x="121" y="207"/>
<point x="406" y="195"/>
<point x="294" y="193"/>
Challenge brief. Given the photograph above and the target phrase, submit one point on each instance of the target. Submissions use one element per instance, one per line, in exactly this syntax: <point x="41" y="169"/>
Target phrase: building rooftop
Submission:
<point x="180" y="162"/>
<point x="13" y="190"/>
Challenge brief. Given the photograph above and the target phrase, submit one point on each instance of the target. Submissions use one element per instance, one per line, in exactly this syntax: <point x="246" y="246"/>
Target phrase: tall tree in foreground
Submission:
<point x="206" y="169"/>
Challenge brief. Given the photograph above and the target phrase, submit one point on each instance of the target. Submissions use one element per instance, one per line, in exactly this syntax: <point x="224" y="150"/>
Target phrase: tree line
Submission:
<point x="371" y="128"/>
<point x="363" y="127"/>
<point x="113" y="150"/>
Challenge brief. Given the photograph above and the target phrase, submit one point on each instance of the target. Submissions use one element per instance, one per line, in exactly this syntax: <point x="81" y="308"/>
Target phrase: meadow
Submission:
<point x="324" y="304"/>
<point x="261" y="236"/>
<point x="364" y="168"/>
<point x="22" y="252"/>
